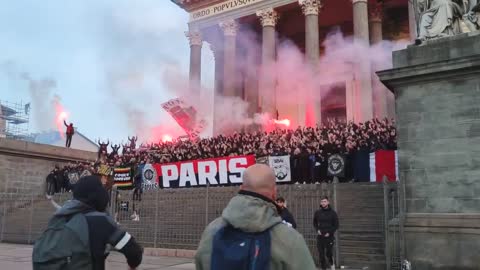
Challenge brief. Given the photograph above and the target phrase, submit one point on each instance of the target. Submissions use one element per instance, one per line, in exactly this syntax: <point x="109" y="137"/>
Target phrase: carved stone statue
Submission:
<point x="472" y="18"/>
<point x="439" y="18"/>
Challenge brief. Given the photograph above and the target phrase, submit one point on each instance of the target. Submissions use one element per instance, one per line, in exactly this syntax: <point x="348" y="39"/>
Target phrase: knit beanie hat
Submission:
<point x="89" y="190"/>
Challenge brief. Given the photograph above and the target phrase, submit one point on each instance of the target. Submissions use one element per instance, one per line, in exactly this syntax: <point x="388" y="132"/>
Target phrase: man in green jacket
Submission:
<point x="254" y="210"/>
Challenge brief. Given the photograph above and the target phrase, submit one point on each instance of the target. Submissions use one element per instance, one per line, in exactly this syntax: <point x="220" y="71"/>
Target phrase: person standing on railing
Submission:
<point x="325" y="222"/>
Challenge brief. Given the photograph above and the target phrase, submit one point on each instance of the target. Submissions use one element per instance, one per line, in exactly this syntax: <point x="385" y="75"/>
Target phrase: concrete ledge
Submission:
<point x="443" y="223"/>
<point x="35" y="150"/>
<point x="441" y="49"/>
<point x="165" y="252"/>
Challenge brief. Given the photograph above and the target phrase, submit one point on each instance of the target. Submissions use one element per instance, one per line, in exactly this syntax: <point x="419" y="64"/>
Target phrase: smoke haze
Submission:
<point x="130" y="57"/>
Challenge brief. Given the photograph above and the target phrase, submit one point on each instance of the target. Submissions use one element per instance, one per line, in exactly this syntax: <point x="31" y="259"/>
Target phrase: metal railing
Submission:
<point x="393" y="237"/>
<point x="173" y="218"/>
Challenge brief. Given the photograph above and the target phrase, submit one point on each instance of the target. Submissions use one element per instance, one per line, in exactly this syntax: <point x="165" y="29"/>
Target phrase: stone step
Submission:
<point x="357" y="243"/>
<point x="362" y="250"/>
<point x="364" y="228"/>
<point x="357" y="256"/>
<point x="373" y="265"/>
<point x="354" y="220"/>
<point x="362" y="216"/>
<point x="364" y="236"/>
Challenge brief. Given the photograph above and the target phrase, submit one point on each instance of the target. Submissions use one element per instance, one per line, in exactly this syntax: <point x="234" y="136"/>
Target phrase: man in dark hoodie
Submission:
<point x="90" y="198"/>
<point x="284" y="213"/>
<point x="325" y="222"/>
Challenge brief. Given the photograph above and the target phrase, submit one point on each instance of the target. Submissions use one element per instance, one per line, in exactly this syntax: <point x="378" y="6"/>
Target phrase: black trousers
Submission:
<point x="50" y="188"/>
<point x="325" y="247"/>
<point x="137" y="194"/>
<point x="69" y="140"/>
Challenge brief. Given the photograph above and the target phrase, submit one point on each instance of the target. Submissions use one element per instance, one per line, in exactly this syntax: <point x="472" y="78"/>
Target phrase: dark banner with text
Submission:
<point x="216" y="172"/>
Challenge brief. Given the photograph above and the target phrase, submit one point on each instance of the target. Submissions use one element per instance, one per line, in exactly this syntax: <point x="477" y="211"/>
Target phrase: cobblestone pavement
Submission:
<point x="18" y="257"/>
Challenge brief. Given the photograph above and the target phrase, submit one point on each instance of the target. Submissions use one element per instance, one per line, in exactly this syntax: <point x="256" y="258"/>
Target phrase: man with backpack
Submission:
<point x="250" y="233"/>
<point x="78" y="234"/>
<point x="325" y="222"/>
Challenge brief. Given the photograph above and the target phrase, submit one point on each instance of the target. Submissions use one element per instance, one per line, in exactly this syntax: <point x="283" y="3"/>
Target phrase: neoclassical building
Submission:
<point x="305" y="23"/>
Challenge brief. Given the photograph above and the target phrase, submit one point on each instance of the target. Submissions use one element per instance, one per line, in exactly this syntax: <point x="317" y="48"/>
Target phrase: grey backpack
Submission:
<point x="63" y="245"/>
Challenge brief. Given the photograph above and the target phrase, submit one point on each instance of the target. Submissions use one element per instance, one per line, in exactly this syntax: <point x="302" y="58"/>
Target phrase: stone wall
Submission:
<point x="24" y="165"/>
<point x="437" y="92"/>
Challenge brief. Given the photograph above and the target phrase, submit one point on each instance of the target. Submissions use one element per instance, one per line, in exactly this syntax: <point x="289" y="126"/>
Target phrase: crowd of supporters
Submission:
<point x="308" y="147"/>
<point x="61" y="179"/>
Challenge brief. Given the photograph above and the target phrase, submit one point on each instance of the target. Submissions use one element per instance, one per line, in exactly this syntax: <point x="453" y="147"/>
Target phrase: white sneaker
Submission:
<point x="333" y="267"/>
<point x="137" y="218"/>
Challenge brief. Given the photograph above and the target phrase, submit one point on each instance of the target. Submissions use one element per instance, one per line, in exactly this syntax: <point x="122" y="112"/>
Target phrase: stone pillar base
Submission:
<point x="437" y="95"/>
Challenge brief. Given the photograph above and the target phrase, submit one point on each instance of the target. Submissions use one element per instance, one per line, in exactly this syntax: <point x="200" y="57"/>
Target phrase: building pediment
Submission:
<point x="191" y="5"/>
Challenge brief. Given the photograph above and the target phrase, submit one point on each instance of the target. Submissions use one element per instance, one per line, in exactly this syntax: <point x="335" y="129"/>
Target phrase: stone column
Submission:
<point x="379" y="91"/>
<point x="311" y="9"/>
<point x="375" y="18"/>
<point x="218" y="58"/>
<point x="268" y="18"/>
<point x="251" y="80"/>
<point x="229" y="28"/>
<point x="363" y="67"/>
<point x="195" y="39"/>
<point x="412" y="23"/>
<point x="360" y="20"/>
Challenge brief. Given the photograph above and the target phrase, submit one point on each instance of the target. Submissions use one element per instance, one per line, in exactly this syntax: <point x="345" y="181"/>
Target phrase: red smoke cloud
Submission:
<point x="60" y="115"/>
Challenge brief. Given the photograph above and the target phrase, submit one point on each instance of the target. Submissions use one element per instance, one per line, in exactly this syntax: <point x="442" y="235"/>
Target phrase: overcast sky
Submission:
<point x="105" y="57"/>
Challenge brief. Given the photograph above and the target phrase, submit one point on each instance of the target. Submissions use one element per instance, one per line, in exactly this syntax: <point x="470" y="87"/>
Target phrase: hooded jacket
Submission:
<point x="91" y="199"/>
<point x="251" y="212"/>
<point x="326" y="221"/>
<point x="102" y="230"/>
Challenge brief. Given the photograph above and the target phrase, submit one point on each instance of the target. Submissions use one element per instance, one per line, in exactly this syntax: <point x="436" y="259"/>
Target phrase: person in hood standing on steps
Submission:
<point x="79" y="232"/>
<point x="285" y="213"/>
<point x="325" y="222"/>
<point x="252" y="212"/>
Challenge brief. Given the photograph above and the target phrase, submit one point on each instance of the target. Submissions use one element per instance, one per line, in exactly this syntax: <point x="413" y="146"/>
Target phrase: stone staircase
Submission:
<point x="361" y="240"/>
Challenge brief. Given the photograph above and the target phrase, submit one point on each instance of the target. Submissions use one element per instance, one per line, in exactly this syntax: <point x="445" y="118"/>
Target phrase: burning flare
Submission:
<point x="60" y="116"/>
<point x="284" y="122"/>
<point x="167" y="138"/>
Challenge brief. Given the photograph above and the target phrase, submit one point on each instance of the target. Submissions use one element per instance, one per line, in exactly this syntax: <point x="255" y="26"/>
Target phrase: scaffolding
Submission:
<point x="14" y="120"/>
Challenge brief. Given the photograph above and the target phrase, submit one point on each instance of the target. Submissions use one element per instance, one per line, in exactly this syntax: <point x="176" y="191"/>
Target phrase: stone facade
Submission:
<point x="24" y="165"/>
<point x="437" y="92"/>
<point x="363" y="101"/>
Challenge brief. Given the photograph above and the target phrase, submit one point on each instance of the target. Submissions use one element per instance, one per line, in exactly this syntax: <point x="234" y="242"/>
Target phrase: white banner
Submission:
<point x="149" y="177"/>
<point x="281" y="166"/>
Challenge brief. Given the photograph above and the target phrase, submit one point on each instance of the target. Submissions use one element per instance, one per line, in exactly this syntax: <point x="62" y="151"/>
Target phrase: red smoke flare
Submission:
<point x="167" y="138"/>
<point x="284" y="122"/>
<point x="60" y="115"/>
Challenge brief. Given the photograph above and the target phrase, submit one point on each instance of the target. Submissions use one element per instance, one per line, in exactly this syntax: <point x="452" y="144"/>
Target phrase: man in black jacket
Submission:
<point x="325" y="222"/>
<point x="91" y="199"/>
<point x="284" y="213"/>
<point x="51" y="182"/>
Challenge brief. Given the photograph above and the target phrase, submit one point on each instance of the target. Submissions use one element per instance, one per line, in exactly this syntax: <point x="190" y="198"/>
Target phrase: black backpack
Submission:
<point x="64" y="245"/>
